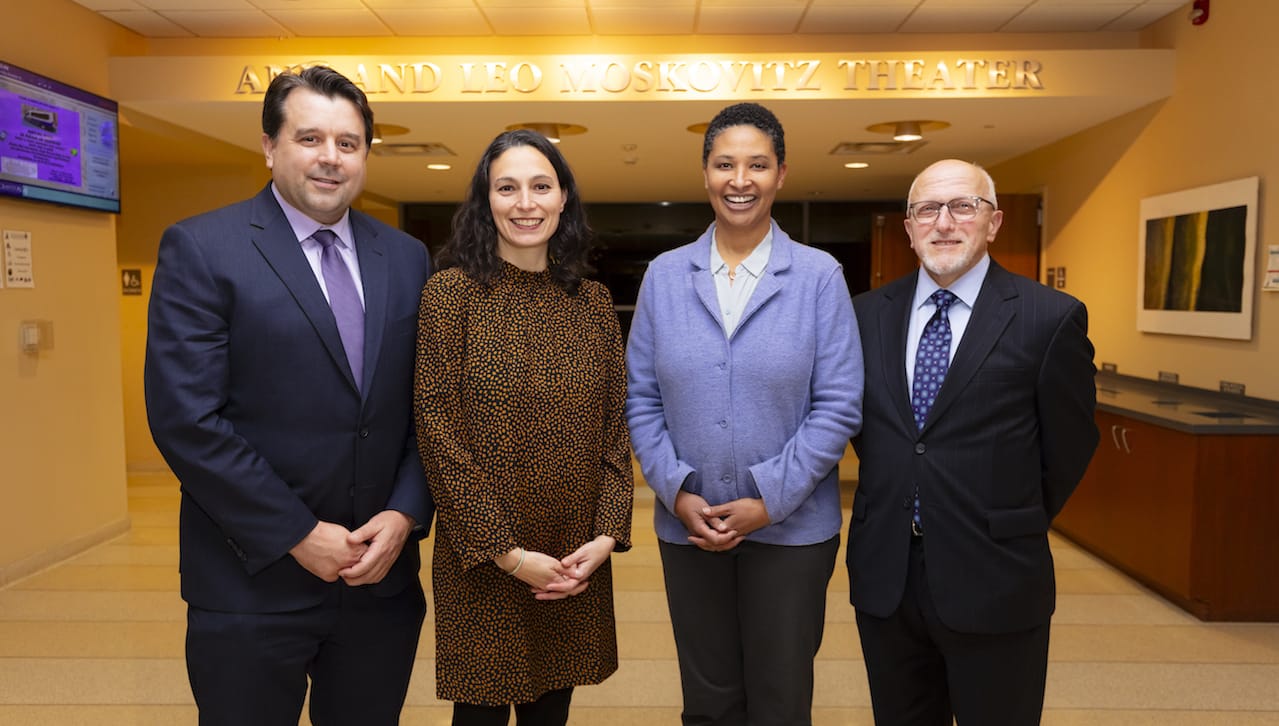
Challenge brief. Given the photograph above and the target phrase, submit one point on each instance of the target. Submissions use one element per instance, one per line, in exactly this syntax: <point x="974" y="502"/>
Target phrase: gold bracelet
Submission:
<point x="519" y="564"/>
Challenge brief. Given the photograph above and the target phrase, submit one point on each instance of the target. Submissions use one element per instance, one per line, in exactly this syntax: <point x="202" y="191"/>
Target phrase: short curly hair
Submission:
<point x="746" y="114"/>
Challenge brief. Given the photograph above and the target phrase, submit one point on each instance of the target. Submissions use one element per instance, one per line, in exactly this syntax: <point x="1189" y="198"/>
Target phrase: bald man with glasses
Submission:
<point x="978" y="424"/>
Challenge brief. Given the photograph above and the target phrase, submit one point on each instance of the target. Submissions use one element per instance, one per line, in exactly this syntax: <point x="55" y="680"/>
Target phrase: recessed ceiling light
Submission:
<point x="856" y="165"/>
<point x="439" y="167"/>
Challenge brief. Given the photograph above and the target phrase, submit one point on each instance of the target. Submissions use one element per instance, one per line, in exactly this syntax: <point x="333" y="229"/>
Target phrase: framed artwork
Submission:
<point x="1196" y="257"/>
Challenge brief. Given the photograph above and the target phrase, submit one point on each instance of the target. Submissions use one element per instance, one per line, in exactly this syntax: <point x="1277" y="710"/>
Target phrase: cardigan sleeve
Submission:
<point x="663" y="470"/>
<point x="617" y="485"/>
<point x="835" y="414"/>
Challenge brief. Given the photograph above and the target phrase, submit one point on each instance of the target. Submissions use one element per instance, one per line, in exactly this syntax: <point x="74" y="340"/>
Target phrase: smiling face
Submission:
<point x="318" y="156"/>
<point x="946" y="248"/>
<point x="526" y="200"/>
<point x="742" y="179"/>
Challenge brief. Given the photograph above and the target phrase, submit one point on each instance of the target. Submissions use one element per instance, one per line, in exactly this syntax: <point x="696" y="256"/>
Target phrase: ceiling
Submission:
<point x="641" y="151"/>
<point x="373" y="18"/>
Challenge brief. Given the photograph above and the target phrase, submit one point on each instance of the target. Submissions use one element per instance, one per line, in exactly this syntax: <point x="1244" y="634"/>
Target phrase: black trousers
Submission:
<point x="550" y="709"/>
<point x="748" y="623"/>
<point x="921" y="672"/>
<point x="251" y="669"/>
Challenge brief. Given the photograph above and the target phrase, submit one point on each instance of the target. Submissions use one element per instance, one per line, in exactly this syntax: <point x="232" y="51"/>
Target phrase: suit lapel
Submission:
<point x="274" y="239"/>
<point x="373" y="272"/>
<point x="993" y="310"/>
<point x="893" y="324"/>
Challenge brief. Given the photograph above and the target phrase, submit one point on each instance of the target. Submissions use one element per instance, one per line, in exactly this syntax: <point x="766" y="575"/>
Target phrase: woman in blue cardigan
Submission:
<point x="745" y="384"/>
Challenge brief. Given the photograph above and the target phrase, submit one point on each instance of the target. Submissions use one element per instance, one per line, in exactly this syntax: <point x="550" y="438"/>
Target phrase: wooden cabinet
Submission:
<point x="1192" y="516"/>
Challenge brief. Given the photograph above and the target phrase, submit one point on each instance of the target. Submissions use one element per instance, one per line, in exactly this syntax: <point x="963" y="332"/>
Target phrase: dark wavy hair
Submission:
<point x="322" y="80"/>
<point x="472" y="245"/>
<point x="745" y="114"/>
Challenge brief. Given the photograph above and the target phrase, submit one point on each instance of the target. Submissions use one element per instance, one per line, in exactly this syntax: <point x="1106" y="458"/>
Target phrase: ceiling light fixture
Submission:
<point x="381" y="131"/>
<point x="906" y="132"/>
<point x="552" y="130"/>
<point x="439" y="167"/>
<point x="856" y="165"/>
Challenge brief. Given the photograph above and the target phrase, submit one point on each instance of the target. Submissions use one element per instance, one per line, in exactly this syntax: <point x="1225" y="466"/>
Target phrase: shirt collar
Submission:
<point x="754" y="263"/>
<point x="303" y="226"/>
<point x="966" y="288"/>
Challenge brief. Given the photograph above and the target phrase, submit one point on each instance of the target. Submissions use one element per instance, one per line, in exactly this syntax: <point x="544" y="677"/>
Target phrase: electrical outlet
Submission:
<point x="1168" y="377"/>
<point x="1109" y="368"/>
<point x="1231" y="387"/>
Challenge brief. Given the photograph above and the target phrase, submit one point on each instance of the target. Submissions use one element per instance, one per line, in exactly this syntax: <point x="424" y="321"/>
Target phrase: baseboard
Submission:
<point x="40" y="561"/>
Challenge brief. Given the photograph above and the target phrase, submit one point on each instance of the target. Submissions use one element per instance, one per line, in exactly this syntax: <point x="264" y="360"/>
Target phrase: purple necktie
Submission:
<point x="345" y="301"/>
<point x="932" y="359"/>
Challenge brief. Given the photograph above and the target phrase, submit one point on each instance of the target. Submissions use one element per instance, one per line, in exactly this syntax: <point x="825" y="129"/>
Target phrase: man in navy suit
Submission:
<point x="948" y="559"/>
<point x="280" y="352"/>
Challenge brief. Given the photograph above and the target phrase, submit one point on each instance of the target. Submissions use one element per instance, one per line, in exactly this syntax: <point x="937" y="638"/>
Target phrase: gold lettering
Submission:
<point x="806" y="75"/>
<point x="779" y="74"/>
<point x="583" y="82"/>
<point x="998" y="74"/>
<point x="707" y="82"/>
<point x="419" y="85"/>
<point x="469" y="78"/>
<point x="913" y="74"/>
<point x="666" y="76"/>
<point x="885" y="70"/>
<point x="970" y="71"/>
<point x="534" y="74"/>
<point x="622" y="74"/>
<point x="643" y="76"/>
<point x="495" y="78"/>
<point x="852" y="66"/>
<point x="388" y="72"/>
<point x="1028" y="75"/>
<point x="361" y="79"/>
<point x="942" y="75"/>
<point x="250" y="80"/>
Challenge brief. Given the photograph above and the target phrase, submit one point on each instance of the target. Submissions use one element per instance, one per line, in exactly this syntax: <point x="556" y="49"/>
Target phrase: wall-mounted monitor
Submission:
<point x="58" y="143"/>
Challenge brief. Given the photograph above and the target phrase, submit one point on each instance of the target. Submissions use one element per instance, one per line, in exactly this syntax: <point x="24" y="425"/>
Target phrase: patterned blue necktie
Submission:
<point x="345" y="301"/>
<point x="932" y="359"/>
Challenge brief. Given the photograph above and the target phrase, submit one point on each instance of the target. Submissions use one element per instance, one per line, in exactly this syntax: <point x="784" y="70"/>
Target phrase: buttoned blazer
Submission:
<point x="1006" y="442"/>
<point x="252" y="402"/>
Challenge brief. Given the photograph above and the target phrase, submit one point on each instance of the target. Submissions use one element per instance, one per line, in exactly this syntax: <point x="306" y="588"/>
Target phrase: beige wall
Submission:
<point x="1219" y="125"/>
<point x="158" y="197"/>
<point x="61" y="434"/>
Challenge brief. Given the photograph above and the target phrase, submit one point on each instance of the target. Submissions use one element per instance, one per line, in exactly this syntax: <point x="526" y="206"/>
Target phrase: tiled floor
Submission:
<point x="98" y="640"/>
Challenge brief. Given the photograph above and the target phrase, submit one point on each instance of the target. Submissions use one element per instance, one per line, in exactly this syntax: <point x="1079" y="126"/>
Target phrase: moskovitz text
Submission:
<point x="594" y="76"/>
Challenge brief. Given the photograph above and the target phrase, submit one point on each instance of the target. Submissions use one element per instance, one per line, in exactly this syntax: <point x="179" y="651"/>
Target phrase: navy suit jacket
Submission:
<point x="1006" y="442"/>
<point x="252" y="403"/>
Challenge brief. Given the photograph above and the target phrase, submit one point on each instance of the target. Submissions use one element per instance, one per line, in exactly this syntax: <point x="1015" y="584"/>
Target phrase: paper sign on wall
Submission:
<point x="1272" y="269"/>
<point x="17" y="259"/>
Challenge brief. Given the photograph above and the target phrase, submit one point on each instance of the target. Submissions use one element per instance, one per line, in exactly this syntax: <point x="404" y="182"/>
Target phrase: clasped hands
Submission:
<point x="359" y="557"/>
<point x="552" y="579"/>
<point x="722" y="526"/>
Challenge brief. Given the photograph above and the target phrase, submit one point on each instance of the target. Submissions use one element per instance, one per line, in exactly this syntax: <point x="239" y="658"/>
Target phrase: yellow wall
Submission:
<point x="61" y="434"/>
<point x="158" y="197"/>
<point x="1219" y="125"/>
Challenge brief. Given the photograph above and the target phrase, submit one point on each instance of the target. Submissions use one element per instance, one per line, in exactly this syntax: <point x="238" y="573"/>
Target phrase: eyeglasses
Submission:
<point x="962" y="209"/>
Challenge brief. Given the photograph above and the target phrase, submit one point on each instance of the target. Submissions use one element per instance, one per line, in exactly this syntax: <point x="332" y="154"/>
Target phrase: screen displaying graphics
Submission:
<point x="58" y="144"/>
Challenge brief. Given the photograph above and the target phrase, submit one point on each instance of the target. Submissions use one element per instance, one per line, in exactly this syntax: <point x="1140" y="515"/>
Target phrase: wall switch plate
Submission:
<point x="1168" y="377"/>
<point x="1061" y="276"/>
<point x="1050" y="277"/>
<point x="1231" y="387"/>
<point x="1109" y="368"/>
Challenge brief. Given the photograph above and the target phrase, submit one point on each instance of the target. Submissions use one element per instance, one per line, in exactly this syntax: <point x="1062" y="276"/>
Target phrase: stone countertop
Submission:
<point x="1182" y="408"/>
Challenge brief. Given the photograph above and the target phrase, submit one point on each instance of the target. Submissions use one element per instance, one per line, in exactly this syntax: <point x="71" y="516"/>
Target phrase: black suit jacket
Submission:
<point x="252" y="403"/>
<point x="1006" y="442"/>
